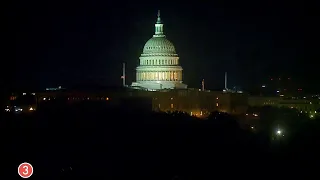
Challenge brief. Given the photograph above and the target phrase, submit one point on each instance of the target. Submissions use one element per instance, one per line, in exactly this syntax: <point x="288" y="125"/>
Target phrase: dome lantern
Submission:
<point x="158" y="27"/>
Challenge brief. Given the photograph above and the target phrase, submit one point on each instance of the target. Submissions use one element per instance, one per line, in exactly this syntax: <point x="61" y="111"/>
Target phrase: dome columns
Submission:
<point x="158" y="30"/>
<point x="159" y="61"/>
<point x="159" y="75"/>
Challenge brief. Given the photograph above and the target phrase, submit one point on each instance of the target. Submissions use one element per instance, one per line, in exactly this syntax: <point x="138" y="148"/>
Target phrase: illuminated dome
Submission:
<point x="159" y="66"/>
<point x="159" y="45"/>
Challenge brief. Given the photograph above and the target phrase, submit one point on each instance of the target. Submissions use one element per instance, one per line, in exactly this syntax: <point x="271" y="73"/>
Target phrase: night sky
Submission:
<point x="85" y="42"/>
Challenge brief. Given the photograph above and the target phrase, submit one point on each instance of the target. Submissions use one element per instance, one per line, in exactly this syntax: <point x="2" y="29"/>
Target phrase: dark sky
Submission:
<point x="67" y="43"/>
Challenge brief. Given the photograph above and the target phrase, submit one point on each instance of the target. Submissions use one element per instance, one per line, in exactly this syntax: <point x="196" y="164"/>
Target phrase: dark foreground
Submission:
<point x="86" y="141"/>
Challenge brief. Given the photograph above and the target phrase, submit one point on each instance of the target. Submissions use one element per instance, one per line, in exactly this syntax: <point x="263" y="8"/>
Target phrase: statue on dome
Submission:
<point x="158" y="19"/>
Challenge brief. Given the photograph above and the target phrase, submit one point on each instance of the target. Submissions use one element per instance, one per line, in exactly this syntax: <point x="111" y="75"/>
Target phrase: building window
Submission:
<point x="171" y="106"/>
<point x="217" y="104"/>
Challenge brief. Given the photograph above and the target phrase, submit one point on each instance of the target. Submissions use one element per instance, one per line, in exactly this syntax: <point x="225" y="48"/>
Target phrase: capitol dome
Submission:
<point x="159" y="63"/>
<point x="159" y="45"/>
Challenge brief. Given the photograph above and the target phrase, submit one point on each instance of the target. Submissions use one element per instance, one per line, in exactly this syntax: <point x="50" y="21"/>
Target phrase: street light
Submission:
<point x="279" y="132"/>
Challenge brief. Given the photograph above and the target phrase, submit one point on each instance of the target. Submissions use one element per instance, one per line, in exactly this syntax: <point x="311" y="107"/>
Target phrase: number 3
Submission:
<point x="25" y="172"/>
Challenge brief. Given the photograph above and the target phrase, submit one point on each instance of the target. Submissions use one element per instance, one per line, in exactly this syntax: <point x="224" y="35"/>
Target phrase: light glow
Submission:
<point x="279" y="132"/>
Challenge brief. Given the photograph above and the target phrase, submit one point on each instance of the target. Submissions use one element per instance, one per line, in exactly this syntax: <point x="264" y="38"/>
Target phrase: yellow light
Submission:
<point x="171" y="105"/>
<point x="107" y="99"/>
<point x="217" y="104"/>
<point x="31" y="109"/>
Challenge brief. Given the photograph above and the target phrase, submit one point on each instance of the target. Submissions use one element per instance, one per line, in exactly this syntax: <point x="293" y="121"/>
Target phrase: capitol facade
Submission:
<point x="159" y="63"/>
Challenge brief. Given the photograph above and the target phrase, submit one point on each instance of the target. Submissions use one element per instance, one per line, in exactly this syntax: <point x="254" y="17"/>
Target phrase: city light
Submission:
<point x="279" y="132"/>
<point x="7" y="109"/>
<point x="18" y="110"/>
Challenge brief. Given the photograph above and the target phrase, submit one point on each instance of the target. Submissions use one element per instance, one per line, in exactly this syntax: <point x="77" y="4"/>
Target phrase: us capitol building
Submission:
<point x="160" y="74"/>
<point x="159" y="63"/>
<point x="158" y="87"/>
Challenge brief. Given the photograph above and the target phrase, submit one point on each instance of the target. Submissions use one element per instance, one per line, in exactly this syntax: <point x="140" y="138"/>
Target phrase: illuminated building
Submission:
<point x="199" y="103"/>
<point x="159" y="63"/>
<point x="310" y="106"/>
<point x="191" y="101"/>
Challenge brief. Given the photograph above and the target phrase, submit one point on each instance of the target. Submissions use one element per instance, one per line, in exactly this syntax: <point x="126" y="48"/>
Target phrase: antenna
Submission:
<point x="202" y="84"/>
<point x="225" y="80"/>
<point x="123" y="77"/>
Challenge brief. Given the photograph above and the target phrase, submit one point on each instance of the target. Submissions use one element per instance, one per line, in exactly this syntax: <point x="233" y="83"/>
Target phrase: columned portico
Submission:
<point x="149" y="75"/>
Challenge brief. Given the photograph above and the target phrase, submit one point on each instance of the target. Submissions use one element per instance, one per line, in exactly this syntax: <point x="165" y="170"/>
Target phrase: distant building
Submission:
<point x="192" y="101"/>
<point x="310" y="106"/>
<point x="159" y="63"/>
<point x="199" y="103"/>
